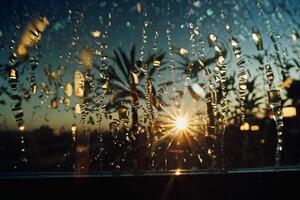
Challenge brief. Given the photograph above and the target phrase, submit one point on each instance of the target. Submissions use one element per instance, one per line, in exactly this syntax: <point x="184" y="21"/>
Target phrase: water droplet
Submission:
<point x="209" y="12"/>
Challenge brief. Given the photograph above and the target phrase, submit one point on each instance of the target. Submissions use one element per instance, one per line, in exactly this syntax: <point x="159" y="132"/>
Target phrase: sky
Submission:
<point x="71" y="23"/>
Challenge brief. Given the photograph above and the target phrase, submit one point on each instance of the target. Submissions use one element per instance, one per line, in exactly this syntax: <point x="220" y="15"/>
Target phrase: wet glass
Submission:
<point x="147" y="87"/>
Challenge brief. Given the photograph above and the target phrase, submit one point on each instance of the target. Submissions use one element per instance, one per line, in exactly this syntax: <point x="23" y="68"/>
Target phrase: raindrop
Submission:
<point x="269" y="75"/>
<point x="172" y="61"/>
<point x="183" y="51"/>
<point x="228" y="28"/>
<point x="257" y="38"/>
<point x="275" y="105"/>
<point x="96" y="34"/>
<point x="209" y="12"/>
<point x="78" y="84"/>
<point x="68" y="89"/>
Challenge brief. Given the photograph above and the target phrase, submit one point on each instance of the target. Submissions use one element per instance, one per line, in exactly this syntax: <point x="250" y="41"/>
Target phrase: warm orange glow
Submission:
<point x="178" y="121"/>
<point x="181" y="124"/>
<point x="67" y="101"/>
<point x="22" y="50"/>
<point x="73" y="128"/>
<point x="96" y="34"/>
<point x="77" y="108"/>
<point x="105" y="85"/>
<point x="68" y="89"/>
<point x="12" y="74"/>
<point x="156" y="63"/>
<point x="78" y="84"/>
<point x="41" y="23"/>
<point x="254" y="128"/>
<point x="86" y="58"/>
<point x="177" y="172"/>
<point x="22" y="128"/>
<point x="245" y="126"/>
<point x="31" y="35"/>
<point x="286" y="83"/>
<point x="289" y="112"/>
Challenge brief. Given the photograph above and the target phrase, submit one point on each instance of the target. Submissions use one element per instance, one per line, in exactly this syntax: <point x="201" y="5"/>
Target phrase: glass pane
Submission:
<point x="164" y="86"/>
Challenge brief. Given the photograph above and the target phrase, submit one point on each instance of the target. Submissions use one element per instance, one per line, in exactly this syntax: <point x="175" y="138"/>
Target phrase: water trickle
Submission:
<point x="276" y="107"/>
<point x="242" y="74"/>
<point x="172" y="61"/>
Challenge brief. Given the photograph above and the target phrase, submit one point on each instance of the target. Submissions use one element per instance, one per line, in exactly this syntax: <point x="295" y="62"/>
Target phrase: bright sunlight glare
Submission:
<point x="181" y="123"/>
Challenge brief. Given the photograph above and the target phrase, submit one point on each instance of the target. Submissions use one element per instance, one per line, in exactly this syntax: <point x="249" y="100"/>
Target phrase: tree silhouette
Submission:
<point x="127" y="81"/>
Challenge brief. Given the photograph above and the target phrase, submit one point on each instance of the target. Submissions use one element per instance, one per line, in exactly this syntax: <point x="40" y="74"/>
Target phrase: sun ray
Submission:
<point x="182" y="127"/>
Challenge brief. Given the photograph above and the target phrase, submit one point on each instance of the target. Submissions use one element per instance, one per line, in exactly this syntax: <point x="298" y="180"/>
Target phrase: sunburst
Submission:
<point x="184" y="119"/>
<point x="181" y="123"/>
<point x="182" y="127"/>
<point x="177" y="122"/>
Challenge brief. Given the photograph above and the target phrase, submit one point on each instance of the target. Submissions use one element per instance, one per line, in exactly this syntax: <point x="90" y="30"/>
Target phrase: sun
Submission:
<point x="179" y="129"/>
<point x="182" y="119"/>
<point x="181" y="123"/>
